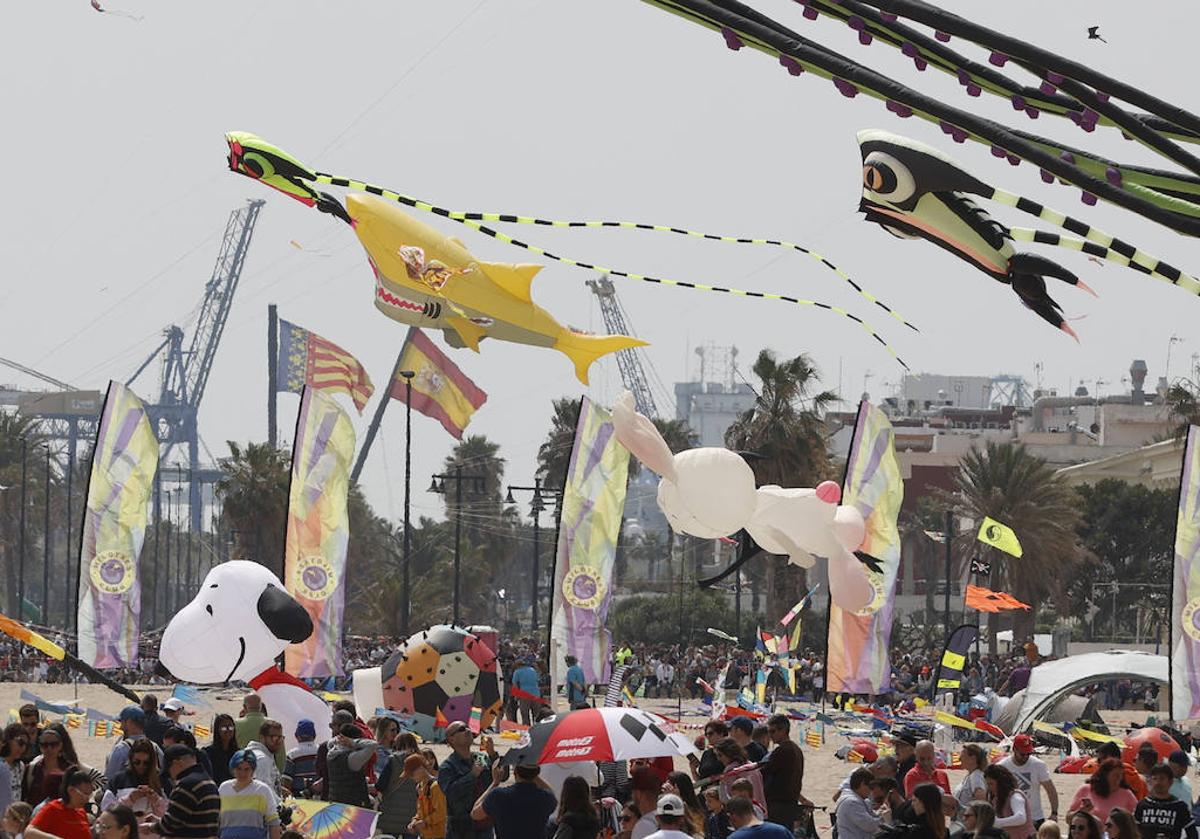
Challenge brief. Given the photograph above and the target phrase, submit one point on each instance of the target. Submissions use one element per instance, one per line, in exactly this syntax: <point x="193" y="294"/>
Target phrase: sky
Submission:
<point x="118" y="193"/>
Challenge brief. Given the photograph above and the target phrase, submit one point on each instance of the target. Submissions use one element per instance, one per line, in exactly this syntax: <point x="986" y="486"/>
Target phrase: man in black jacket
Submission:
<point x="783" y="774"/>
<point x="1160" y="815"/>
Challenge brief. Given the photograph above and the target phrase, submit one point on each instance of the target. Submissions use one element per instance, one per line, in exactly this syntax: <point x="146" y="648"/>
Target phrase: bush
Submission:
<point x="654" y="619"/>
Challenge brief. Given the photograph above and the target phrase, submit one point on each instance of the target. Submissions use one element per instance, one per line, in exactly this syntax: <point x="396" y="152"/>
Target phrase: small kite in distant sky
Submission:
<point x="118" y="12"/>
<point x="1094" y="34"/>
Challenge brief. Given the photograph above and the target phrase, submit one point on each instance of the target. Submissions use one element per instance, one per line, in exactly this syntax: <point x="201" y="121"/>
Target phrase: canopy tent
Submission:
<point x="1051" y="681"/>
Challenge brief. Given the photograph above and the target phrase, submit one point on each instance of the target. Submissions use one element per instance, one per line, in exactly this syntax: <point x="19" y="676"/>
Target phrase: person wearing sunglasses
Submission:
<point x="1121" y="825"/>
<point x="1083" y="825"/>
<point x="628" y="818"/>
<point x="140" y="786"/>
<point x="222" y="748"/>
<point x="65" y="816"/>
<point x="12" y="771"/>
<point x="117" y="822"/>
<point x="52" y="759"/>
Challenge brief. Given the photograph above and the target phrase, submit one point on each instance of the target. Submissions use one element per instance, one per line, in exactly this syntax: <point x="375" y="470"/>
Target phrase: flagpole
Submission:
<point x="408" y="377"/>
<point x="373" y="429"/>
<point x="272" y="373"/>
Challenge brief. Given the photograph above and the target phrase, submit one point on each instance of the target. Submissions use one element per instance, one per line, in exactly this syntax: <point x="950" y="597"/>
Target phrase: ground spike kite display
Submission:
<point x="913" y="190"/>
<point x="1165" y="197"/>
<point x="252" y="156"/>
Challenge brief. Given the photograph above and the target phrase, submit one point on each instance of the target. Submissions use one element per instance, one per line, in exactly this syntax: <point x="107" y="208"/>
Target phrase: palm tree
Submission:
<point x="254" y="494"/>
<point x="1010" y="485"/>
<point x="15" y="428"/>
<point x="554" y="454"/>
<point x="785" y="431"/>
<point x="1183" y="402"/>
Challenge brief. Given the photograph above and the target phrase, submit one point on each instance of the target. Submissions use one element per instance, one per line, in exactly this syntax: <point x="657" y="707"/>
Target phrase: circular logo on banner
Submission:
<point x="1191" y="618"/>
<point x="583" y="589"/>
<point x="876" y="581"/>
<point x="314" y="577"/>
<point x="112" y="572"/>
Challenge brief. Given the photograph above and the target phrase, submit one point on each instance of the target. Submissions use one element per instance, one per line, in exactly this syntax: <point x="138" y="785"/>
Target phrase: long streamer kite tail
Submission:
<point x="1136" y="259"/>
<point x="1044" y="237"/>
<point x="20" y="632"/>
<point x="614" y="272"/>
<point x="468" y="216"/>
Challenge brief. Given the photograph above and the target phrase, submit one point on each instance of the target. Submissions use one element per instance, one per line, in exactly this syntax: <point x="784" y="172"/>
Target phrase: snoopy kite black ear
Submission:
<point x="286" y="618"/>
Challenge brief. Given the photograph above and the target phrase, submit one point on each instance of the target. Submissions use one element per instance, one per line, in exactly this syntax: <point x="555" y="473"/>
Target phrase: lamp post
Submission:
<point x="949" y="561"/>
<point x="536" y="506"/>
<point x="21" y="542"/>
<point x="178" y="492"/>
<point x="458" y="477"/>
<point x="408" y="377"/>
<point x="46" y="543"/>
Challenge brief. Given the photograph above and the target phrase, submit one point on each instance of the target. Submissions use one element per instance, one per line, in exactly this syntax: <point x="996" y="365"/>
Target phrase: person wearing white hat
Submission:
<point x="173" y="709"/>
<point x="671" y="817"/>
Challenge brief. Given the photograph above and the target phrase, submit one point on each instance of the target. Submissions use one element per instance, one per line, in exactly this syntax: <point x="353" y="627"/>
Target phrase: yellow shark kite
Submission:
<point x="423" y="278"/>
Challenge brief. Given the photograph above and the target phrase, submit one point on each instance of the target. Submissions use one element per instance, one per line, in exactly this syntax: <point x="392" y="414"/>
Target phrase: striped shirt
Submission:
<point x="249" y="812"/>
<point x="194" y="808"/>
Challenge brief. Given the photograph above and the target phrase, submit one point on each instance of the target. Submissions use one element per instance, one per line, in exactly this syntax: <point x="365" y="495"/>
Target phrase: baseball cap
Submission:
<point x="1179" y="758"/>
<point x="172" y="704"/>
<point x="1023" y="744"/>
<point x="743" y="724"/>
<point x="132" y="713"/>
<point x="306" y="728"/>
<point x="455" y="727"/>
<point x="243" y="756"/>
<point x="174" y="753"/>
<point x="669" y="805"/>
<point x="646" y="779"/>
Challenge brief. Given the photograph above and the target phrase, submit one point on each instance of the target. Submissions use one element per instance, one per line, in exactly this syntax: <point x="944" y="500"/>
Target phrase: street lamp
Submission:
<point x="408" y="377"/>
<point x="536" y="506"/>
<point x="457" y="477"/>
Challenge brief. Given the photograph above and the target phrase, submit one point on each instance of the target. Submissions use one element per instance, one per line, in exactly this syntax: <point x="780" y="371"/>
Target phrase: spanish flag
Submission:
<point x="1001" y="536"/>
<point x="439" y="389"/>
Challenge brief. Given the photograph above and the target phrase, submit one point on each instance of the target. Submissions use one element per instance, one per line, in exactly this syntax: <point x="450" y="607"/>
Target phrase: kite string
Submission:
<point x="464" y="217"/>
<point x="503" y="237"/>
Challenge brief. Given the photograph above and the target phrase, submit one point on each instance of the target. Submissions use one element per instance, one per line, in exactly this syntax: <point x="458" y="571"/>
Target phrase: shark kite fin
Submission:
<point x="515" y="279"/>
<point x="584" y="349"/>
<point x="470" y="332"/>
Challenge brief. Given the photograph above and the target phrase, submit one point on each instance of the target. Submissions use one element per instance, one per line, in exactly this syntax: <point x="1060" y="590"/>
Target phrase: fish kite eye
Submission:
<point x="888" y="178"/>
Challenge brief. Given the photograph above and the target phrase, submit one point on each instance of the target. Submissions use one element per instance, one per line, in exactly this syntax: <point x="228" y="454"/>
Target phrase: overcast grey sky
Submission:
<point x="117" y="193"/>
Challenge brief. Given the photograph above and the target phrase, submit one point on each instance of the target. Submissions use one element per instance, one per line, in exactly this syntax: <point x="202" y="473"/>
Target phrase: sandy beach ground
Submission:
<point x="823" y="771"/>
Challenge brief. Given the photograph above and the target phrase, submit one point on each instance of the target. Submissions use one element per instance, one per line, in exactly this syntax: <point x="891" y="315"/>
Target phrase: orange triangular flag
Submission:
<point x="440" y="720"/>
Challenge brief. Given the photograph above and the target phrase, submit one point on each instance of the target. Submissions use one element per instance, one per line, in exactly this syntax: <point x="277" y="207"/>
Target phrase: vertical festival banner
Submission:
<point x="593" y="501"/>
<point x="318" y="531"/>
<point x="857" y="645"/>
<point x="124" y="460"/>
<point x="1185" y="589"/>
<point x="954" y="660"/>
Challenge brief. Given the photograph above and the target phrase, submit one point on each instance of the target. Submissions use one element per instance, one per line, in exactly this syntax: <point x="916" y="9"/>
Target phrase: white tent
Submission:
<point x="1051" y="681"/>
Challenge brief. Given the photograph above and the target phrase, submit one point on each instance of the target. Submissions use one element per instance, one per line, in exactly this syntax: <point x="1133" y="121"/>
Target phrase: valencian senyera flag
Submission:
<point x="307" y="359"/>
<point x="592" y="504"/>
<point x="858" y="643"/>
<point x="439" y="389"/>
<point x="1185" y="589"/>
<point x="318" y="531"/>
<point x="124" y="461"/>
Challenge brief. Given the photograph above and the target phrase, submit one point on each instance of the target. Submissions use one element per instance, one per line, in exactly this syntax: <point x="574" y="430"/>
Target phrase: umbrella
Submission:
<point x="326" y="820"/>
<point x="600" y="734"/>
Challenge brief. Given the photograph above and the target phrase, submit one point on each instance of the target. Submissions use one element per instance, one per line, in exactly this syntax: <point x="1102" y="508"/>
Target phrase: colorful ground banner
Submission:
<point x="439" y="389"/>
<point x="858" y="643"/>
<point x="593" y="501"/>
<point x="124" y="461"/>
<point x="305" y="358"/>
<point x="954" y="658"/>
<point x="318" y="531"/>
<point x="1185" y="589"/>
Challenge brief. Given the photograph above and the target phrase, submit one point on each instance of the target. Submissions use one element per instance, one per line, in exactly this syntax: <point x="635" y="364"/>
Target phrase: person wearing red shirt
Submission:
<point x="924" y="772"/>
<point x="65" y="816"/>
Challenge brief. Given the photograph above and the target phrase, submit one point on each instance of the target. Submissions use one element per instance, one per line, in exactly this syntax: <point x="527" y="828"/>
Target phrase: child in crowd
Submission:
<point x="430" y="822"/>
<point x="716" y="822"/>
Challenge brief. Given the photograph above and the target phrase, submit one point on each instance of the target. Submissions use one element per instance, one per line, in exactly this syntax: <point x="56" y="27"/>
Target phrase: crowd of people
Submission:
<point x="905" y="796"/>
<point x="157" y="781"/>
